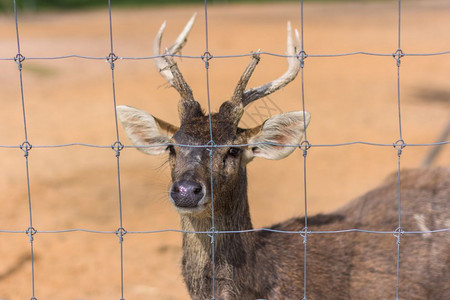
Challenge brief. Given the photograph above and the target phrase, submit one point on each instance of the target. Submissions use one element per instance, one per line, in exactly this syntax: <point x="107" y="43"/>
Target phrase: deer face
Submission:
<point x="194" y="160"/>
<point x="191" y="162"/>
<point x="191" y="166"/>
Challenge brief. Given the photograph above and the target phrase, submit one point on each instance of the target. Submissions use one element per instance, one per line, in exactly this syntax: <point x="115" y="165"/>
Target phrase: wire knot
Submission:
<point x="30" y="232"/>
<point x="111" y="58"/>
<point x="304" y="146"/>
<point x="206" y="57"/>
<point x="304" y="234"/>
<point x="301" y="56"/>
<point x="399" y="145"/>
<point x="212" y="234"/>
<point x="210" y="147"/>
<point x="398" y="233"/>
<point x="397" y="55"/>
<point x="19" y="58"/>
<point x="117" y="146"/>
<point x="120" y="233"/>
<point x="26" y="147"/>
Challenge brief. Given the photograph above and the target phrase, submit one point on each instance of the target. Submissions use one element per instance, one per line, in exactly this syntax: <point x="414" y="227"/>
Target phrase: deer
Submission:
<point x="267" y="264"/>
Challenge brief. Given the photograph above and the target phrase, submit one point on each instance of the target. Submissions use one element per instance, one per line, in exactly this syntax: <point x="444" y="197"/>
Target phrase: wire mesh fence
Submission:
<point x="399" y="145"/>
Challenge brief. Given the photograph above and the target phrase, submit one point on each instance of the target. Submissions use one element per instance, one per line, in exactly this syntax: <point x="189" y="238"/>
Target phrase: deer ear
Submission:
<point x="145" y="130"/>
<point x="283" y="129"/>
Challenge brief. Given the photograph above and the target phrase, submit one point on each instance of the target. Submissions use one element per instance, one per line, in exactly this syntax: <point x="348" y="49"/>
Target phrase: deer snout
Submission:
<point x="187" y="193"/>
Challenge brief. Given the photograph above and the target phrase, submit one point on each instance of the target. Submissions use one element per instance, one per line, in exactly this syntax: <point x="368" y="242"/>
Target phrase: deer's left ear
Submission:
<point x="283" y="129"/>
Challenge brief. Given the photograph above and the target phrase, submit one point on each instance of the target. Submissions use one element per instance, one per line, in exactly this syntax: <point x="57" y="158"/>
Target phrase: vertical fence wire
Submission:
<point x="25" y="147"/>
<point x="305" y="146"/>
<point x="117" y="147"/>
<point x="399" y="147"/>
<point x="206" y="57"/>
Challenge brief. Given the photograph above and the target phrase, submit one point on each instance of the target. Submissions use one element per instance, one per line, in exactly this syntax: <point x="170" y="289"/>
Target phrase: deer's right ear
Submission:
<point x="145" y="130"/>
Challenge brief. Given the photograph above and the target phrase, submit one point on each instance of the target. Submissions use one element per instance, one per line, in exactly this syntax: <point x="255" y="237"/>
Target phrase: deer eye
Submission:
<point x="171" y="149"/>
<point x="234" y="152"/>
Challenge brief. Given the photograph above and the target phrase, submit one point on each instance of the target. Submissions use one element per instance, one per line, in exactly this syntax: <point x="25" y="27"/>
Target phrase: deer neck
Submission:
<point x="231" y="249"/>
<point x="232" y="213"/>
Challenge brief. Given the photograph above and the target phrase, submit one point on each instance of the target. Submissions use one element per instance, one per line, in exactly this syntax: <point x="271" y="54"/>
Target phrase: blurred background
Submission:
<point x="350" y="98"/>
<point x="86" y="4"/>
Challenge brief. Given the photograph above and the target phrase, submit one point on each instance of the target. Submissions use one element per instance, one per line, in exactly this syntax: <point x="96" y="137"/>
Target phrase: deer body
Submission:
<point x="269" y="265"/>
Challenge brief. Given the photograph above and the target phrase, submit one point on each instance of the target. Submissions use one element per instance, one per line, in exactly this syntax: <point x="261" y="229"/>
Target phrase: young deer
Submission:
<point x="270" y="265"/>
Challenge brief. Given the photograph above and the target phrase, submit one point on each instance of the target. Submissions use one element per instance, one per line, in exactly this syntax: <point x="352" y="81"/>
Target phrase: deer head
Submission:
<point x="233" y="147"/>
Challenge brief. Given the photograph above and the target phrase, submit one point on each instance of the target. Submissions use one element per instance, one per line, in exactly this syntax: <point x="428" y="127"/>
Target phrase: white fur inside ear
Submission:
<point x="283" y="129"/>
<point x="143" y="130"/>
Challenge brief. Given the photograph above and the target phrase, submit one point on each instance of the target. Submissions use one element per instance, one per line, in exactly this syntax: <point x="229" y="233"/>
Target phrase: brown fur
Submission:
<point x="339" y="266"/>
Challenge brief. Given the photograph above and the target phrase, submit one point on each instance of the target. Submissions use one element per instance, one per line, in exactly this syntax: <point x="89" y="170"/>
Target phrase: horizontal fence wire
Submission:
<point x="105" y="58"/>
<point x="226" y="231"/>
<point x="207" y="146"/>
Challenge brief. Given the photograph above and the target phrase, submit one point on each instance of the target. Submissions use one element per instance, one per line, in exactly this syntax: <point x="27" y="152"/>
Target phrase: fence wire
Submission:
<point x="305" y="146"/>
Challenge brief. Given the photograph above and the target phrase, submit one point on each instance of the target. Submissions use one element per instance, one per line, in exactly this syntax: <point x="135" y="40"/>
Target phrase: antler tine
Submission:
<point x="182" y="38"/>
<point x="255" y="93"/>
<point x="234" y="108"/>
<point x="242" y="84"/>
<point x="166" y="64"/>
<point x="168" y="69"/>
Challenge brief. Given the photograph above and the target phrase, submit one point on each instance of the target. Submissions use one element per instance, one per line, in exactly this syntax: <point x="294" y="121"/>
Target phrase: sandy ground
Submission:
<point x="350" y="98"/>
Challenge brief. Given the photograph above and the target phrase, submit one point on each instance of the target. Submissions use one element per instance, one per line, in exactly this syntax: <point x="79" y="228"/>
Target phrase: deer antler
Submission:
<point x="168" y="69"/>
<point x="256" y="93"/>
<point x="234" y="108"/>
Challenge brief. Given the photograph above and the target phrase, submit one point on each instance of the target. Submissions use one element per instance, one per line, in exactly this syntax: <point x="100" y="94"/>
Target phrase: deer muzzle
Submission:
<point x="187" y="194"/>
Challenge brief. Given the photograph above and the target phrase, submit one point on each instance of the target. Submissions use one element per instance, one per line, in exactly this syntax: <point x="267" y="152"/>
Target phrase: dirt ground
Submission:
<point x="352" y="98"/>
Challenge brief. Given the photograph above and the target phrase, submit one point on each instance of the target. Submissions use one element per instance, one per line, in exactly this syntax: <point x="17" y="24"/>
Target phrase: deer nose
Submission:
<point x="186" y="193"/>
